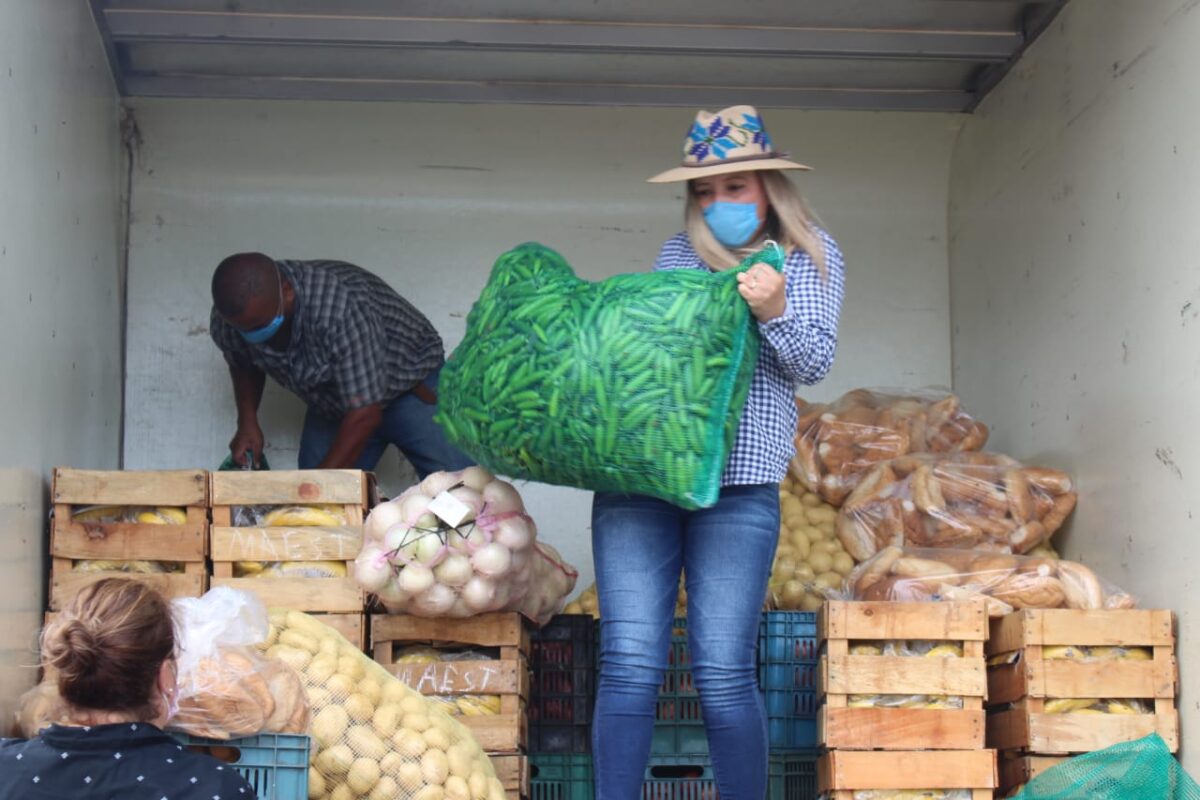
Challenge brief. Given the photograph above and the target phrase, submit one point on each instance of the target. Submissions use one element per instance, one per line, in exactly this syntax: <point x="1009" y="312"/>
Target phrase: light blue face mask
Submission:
<point x="263" y="334"/>
<point x="734" y="224"/>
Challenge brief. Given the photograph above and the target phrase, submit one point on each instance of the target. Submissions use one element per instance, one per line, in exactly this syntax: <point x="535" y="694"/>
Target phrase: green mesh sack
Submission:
<point x="1139" y="770"/>
<point x="633" y="384"/>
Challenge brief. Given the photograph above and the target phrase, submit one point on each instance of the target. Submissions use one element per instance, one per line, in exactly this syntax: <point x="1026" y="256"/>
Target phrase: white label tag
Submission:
<point x="449" y="509"/>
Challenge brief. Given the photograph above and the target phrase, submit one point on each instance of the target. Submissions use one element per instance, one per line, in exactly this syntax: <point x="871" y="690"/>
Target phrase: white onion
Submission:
<point x="371" y="568"/>
<point x="434" y="601"/>
<point x="479" y="593"/>
<point x="428" y="522"/>
<point x="437" y="482"/>
<point x="459" y="543"/>
<point x="460" y="609"/>
<point x="515" y="533"/>
<point x="429" y="549"/>
<point x="500" y="497"/>
<point x="520" y="560"/>
<point x="477" y="478"/>
<point x="400" y="539"/>
<point x="415" y="578"/>
<point x="392" y="596"/>
<point x="470" y="497"/>
<point x="454" y="571"/>
<point x="381" y="518"/>
<point x="492" y="560"/>
<point x="412" y="506"/>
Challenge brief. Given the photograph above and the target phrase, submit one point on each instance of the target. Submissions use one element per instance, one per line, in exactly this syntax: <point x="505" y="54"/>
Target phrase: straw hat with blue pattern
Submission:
<point x="731" y="140"/>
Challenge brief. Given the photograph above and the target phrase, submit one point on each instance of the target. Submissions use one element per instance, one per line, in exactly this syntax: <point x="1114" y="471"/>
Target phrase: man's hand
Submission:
<point x="249" y="436"/>
<point x="356" y="428"/>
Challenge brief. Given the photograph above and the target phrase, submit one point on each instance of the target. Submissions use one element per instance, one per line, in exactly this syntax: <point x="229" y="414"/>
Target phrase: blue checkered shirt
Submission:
<point x="797" y="348"/>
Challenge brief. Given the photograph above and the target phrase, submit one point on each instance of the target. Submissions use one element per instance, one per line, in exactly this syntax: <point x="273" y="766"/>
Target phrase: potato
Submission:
<point x="430" y="793"/>
<point x="804" y="572"/>
<point x="321" y="668"/>
<point x="478" y="784"/>
<point x="395" y="692"/>
<point x="386" y="789"/>
<point x="435" y="768"/>
<point x="784" y="566"/>
<point x="818" y="515"/>
<point x="409" y="777"/>
<point x="791" y="594"/>
<point x="801" y="544"/>
<point x="328" y="647"/>
<point x="456" y="788"/>
<point x="351" y="667"/>
<point x="390" y="764"/>
<point x="820" y="561"/>
<point x="461" y="760"/>
<point x="437" y="739"/>
<point x="413" y="704"/>
<point x="359" y="707"/>
<point x="812" y="602"/>
<point x="496" y="790"/>
<point x="342" y="792"/>
<point x="409" y="743"/>
<point x="810" y="500"/>
<point x="316" y="784"/>
<point x="828" y="546"/>
<point x="363" y="775"/>
<point x="843" y="564"/>
<point x="828" y="580"/>
<point x="295" y="658"/>
<point x="371" y="690"/>
<point x="341" y="684"/>
<point x="329" y="724"/>
<point x="293" y="638"/>
<point x="335" y="761"/>
<point x="417" y="722"/>
<point x="386" y="719"/>
<point x="364" y="742"/>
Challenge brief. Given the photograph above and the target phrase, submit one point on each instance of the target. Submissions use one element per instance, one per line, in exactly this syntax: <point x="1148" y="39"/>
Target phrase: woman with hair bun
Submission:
<point x="113" y="651"/>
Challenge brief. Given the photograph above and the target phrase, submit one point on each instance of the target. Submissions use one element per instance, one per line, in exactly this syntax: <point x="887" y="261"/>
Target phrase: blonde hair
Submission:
<point x="108" y="644"/>
<point x="789" y="221"/>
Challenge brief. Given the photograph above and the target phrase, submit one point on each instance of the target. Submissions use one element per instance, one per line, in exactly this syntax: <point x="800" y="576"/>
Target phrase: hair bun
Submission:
<point x="79" y="654"/>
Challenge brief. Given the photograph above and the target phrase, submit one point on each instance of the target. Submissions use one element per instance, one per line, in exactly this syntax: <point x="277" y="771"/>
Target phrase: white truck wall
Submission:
<point x="428" y="196"/>
<point x="1074" y="203"/>
<point x="60" y="308"/>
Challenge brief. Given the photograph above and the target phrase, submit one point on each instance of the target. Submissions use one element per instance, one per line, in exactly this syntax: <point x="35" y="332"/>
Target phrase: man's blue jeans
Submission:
<point x="407" y="423"/>
<point x="639" y="545"/>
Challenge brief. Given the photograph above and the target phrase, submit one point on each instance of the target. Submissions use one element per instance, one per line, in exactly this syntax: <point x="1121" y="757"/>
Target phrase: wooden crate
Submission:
<point x="840" y="675"/>
<point x="229" y="544"/>
<point x="1021" y="689"/>
<point x="129" y="541"/>
<point x="841" y="773"/>
<point x="1018" y="770"/>
<point x="352" y="626"/>
<point x="507" y="676"/>
<point x="513" y="772"/>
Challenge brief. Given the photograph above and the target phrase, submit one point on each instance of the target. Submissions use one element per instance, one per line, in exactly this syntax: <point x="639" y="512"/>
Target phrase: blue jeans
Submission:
<point x="639" y="545"/>
<point x="407" y="423"/>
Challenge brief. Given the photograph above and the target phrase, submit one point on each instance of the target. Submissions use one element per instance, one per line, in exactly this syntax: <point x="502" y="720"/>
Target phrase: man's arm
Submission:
<point x="248" y="383"/>
<point x="356" y="428"/>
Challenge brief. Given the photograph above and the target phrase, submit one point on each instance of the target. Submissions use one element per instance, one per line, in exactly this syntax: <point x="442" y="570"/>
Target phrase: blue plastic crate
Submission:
<point x="275" y="764"/>
<point x="787" y="673"/>
<point x="790" y="776"/>
<point x="678" y="723"/>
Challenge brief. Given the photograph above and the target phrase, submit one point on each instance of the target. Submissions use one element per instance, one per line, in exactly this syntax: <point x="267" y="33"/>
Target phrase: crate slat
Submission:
<point x="65" y="583"/>
<point x="506" y="732"/>
<point x="1089" y="628"/>
<point x="1064" y="678"/>
<point x="288" y="487"/>
<point x="902" y="675"/>
<point x="286" y="544"/>
<point x="900" y="728"/>
<point x="465" y="677"/>
<point x="130" y="541"/>
<point x="965" y="621"/>
<point x="130" y="488"/>
<point x="352" y="626"/>
<point x="1021" y="729"/>
<point x="1018" y="771"/>
<point x="845" y="770"/>
<point x="334" y="595"/>
<point x="513" y="773"/>
<point x="486" y="630"/>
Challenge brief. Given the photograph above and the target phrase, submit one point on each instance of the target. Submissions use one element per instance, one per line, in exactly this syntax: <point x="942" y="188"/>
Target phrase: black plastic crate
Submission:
<point x="790" y="776"/>
<point x="563" y="691"/>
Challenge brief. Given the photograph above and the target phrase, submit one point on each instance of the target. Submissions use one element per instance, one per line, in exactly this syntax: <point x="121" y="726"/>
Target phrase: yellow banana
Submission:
<point x="137" y="567"/>
<point x="162" y="515"/>
<point x="304" y="516"/>
<point x="866" y="650"/>
<point x="307" y="569"/>
<point x="1068" y="705"/>
<point x="99" y="514"/>
<point x="1121" y="707"/>
<point x="248" y="569"/>
<point x="1063" y="653"/>
<point x="945" y="651"/>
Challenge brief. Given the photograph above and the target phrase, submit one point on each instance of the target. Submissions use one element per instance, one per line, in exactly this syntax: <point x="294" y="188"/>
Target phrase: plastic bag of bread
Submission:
<point x="839" y="443"/>
<point x="374" y="738"/>
<point x="963" y="501"/>
<point x="227" y="688"/>
<point x="1008" y="582"/>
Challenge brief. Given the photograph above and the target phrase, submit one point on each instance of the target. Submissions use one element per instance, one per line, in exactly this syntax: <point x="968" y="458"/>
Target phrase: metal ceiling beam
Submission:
<point x="134" y="25"/>
<point x="542" y="93"/>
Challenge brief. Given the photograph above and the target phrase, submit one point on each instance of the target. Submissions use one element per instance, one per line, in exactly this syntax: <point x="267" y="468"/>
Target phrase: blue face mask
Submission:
<point x="732" y="223"/>
<point x="263" y="334"/>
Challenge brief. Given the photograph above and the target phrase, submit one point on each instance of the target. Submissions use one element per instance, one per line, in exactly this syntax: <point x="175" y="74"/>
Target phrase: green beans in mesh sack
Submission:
<point x="632" y="384"/>
<point x="1143" y="769"/>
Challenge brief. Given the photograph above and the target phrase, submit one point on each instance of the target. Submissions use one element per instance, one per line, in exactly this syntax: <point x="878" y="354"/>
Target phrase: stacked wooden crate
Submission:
<point x="181" y="545"/>
<point x="337" y="601"/>
<point x="506" y="636"/>
<point x="1046" y="665"/>
<point x="870" y="747"/>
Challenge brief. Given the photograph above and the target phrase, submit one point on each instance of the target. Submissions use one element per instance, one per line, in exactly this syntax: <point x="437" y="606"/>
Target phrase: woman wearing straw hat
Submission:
<point x="738" y="198"/>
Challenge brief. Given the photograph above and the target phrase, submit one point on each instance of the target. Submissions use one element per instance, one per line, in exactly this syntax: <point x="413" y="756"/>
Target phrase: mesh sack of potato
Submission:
<point x="964" y="501"/>
<point x="1007" y="582"/>
<point x="373" y="736"/>
<point x="634" y="384"/>
<point x="226" y="687"/>
<point x="809" y="560"/>
<point x="837" y="444"/>
<point x="460" y="544"/>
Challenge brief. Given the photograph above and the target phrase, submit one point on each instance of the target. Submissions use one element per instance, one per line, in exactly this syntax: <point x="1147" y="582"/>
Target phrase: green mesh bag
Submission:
<point x="632" y="384"/>
<point x="1139" y="770"/>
